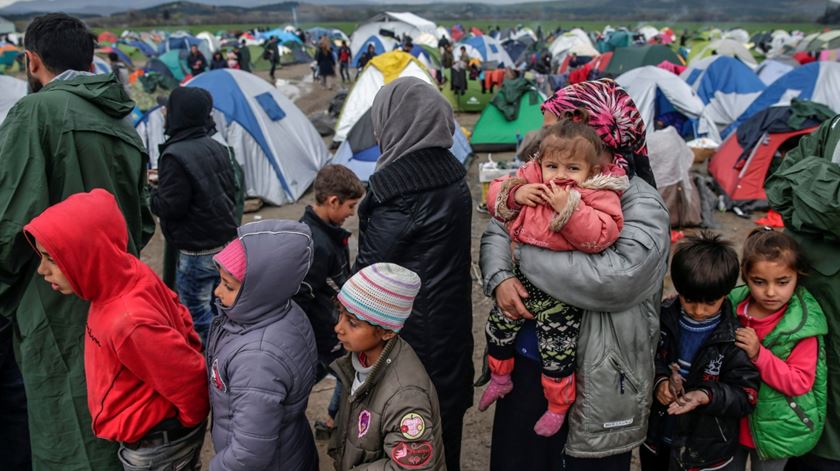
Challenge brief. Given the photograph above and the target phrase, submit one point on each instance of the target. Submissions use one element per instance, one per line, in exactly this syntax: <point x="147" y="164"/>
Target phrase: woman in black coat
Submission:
<point x="417" y="214"/>
<point x="326" y="62"/>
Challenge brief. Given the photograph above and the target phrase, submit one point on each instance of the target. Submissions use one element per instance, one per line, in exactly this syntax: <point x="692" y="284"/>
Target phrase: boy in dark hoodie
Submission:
<point x="704" y="383"/>
<point x="261" y="352"/>
<point x="337" y="192"/>
<point x="145" y="372"/>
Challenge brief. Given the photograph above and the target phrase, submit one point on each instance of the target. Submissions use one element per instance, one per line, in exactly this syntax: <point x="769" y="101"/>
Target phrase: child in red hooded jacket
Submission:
<point x="567" y="198"/>
<point x="146" y="375"/>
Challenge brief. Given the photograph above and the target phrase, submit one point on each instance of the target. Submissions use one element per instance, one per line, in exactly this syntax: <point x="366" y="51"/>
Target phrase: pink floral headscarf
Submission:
<point x="614" y="116"/>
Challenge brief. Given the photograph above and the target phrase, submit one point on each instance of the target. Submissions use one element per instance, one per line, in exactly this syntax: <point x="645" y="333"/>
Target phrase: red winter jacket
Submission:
<point x="590" y="223"/>
<point x="143" y="360"/>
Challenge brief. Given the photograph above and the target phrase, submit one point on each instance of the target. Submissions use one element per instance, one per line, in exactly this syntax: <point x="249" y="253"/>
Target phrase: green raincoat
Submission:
<point x="805" y="189"/>
<point x="70" y="137"/>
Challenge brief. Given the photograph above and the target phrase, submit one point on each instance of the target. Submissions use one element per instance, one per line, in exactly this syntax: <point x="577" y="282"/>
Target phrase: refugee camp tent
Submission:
<point x="726" y="86"/>
<point x="614" y="40"/>
<point x="107" y="37"/>
<point x="663" y="96"/>
<point x="211" y="40"/>
<point x="648" y="32"/>
<point x="575" y="41"/>
<point x="122" y="55"/>
<point x="771" y="69"/>
<point x="392" y="25"/>
<point x="101" y="65"/>
<point x="175" y="61"/>
<point x="6" y="26"/>
<point x="494" y="131"/>
<point x="486" y="48"/>
<point x="381" y="44"/>
<point x="359" y="150"/>
<point x="335" y="35"/>
<point x="151" y="129"/>
<point x="827" y="40"/>
<point x="144" y="47"/>
<point x="671" y="160"/>
<point x="738" y="35"/>
<point x="725" y="47"/>
<point x="283" y="36"/>
<point x="11" y="90"/>
<point x="183" y="41"/>
<point x="516" y="49"/>
<point x="381" y="70"/>
<point x="629" y="58"/>
<point x="743" y="161"/>
<point x="279" y="149"/>
<point x="817" y="81"/>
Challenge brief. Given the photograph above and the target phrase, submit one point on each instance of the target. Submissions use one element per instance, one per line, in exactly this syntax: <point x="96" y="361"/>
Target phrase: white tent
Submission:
<point x="211" y="40"/>
<point x="649" y="32"/>
<point x="739" y="35"/>
<point x="11" y="90"/>
<point x="727" y="47"/>
<point x="575" y="41"/>
<point x="394" y="64"/>
<point x="726" y="85"/>
<point x="6" y="26"/>
<point x="644" y="83"/>
<point x="394" y="22"/>
<point x="771" y="69"/>
<point x="279" y="149"/>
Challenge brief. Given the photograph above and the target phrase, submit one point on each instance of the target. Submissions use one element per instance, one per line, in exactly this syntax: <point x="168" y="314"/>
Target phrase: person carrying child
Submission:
<point x="567" y="198"/>
<point x="389" y="417"/>
<point x="145" y="374"/>
<point x="704" y="383"/>
<point x="337" y="192"/>
<point x="261" y="352"/>
<point x="782" y="329"/>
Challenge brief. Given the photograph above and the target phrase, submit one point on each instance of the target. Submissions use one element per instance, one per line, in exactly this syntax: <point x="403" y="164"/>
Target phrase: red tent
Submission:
<point x="108" y="37"/>
<point x="744" y="181"/>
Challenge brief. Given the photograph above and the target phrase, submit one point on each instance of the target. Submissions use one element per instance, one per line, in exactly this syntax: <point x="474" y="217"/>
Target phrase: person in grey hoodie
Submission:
<point x="261" y="352"/>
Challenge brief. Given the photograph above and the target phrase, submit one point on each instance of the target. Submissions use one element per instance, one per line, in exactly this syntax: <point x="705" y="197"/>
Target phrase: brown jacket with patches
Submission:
<point x="392" y="422"/>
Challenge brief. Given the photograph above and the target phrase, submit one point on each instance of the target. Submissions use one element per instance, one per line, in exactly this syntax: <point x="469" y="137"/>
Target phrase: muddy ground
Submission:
<point x="311" y="97"/>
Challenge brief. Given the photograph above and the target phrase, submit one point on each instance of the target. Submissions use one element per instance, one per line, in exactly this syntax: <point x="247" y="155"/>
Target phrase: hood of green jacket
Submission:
<point x="102" y="90"/>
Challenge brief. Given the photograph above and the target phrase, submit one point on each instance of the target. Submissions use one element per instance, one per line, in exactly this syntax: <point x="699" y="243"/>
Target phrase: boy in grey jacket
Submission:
<point x="261" y="352"/>
<point x="389" y="418"/>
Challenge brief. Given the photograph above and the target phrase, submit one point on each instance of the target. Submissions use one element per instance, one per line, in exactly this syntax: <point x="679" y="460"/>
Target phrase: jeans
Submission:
<point x="344" y="69"/>
<point x="182" y="454"/>
<point x="756" y="464"/>
<point x="196" y="279"/>
<point x="14" y="427"/>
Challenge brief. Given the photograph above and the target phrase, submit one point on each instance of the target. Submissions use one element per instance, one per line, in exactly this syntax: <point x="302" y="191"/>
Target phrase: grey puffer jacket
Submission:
<point x="620" y="290"/>
<point x="261" y="356"/>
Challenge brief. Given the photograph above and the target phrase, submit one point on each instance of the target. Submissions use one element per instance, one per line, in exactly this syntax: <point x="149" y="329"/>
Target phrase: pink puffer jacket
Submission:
<point x="590" y="222"/>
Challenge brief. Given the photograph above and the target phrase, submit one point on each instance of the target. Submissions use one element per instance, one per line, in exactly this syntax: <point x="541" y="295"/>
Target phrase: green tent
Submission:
<point x="175" y="64"/>
<point x="473" y="101"/>
<point x="614" y="40"/>
<point x="629" y="58"/>
<point x="494" y="132"/>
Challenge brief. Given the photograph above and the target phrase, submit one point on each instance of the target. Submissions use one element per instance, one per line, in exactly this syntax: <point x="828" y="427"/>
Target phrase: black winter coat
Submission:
<point x="417" y="214"/>
<point x="196" y="194"/>
<point x="330" y="269"/>
<point x="707" y="435"/>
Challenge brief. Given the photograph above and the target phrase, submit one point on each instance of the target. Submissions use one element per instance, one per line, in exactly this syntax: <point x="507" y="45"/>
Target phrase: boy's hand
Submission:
<point x="556" y="196"/>
<point x="663" y="394"/>
<point x="530" y="194"/>
<point x="675" y="382"/>
<point x="747" y="340"/>
<point x="688" y="402"/>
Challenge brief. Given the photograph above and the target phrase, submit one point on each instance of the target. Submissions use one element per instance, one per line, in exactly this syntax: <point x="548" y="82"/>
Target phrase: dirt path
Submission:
<point x="477" y="426"/>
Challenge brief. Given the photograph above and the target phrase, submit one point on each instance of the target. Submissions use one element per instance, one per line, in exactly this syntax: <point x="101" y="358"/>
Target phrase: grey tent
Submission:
<point x="6" y="26"/>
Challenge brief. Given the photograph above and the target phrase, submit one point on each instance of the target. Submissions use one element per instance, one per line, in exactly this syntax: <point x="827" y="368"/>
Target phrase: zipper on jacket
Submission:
<point x="622" y="376"/>
<point x="720" y="429"/>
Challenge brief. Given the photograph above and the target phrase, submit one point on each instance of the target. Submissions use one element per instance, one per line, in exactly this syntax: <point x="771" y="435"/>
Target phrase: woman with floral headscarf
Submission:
<point x="619" y="290"/>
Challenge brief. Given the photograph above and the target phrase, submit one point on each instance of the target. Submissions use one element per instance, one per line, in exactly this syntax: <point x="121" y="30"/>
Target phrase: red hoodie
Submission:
<point x="143" y="360"/>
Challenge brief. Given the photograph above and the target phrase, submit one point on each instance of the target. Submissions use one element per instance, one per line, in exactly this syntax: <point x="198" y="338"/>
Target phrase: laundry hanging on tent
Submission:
<point x="507" y="100"/>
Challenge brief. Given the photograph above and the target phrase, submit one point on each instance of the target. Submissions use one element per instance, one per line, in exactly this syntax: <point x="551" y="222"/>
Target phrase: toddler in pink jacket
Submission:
<point x="566" y="198"/>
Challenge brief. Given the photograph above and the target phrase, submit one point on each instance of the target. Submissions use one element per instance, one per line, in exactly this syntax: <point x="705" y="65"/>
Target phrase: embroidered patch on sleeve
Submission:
<point x="364" y="423"/>
<point x="412" y="426"/>
<point x="216" y="377"/>
<point x="412" y="455"/>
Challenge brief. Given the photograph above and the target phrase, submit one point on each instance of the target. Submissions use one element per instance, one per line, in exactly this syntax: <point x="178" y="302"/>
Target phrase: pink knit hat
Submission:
<point x="381" y="294"/>
<point x="233" y="259"/>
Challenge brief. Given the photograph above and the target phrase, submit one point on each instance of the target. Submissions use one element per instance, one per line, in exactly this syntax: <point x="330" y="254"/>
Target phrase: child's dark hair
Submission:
<point x="572" y="136"/>
<point x="766" y="245"/>
<point x="704" y="268"/>
<point x="337" y="180"/>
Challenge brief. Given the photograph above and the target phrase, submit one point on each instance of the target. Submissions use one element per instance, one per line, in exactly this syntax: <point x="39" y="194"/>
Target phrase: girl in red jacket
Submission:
<point x="146" y="376"/>
<point x="567" y="198"/>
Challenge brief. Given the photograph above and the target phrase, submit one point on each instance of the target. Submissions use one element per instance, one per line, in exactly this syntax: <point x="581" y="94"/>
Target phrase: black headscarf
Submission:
<point x="188" y="115"/>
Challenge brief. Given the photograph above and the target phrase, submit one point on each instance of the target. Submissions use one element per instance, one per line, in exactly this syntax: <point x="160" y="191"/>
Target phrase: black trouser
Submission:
<point x="273" y="67"/>
<point x="812" y="462"/>
<point x="15" y="450"/>
<point x="517" y="447"/>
